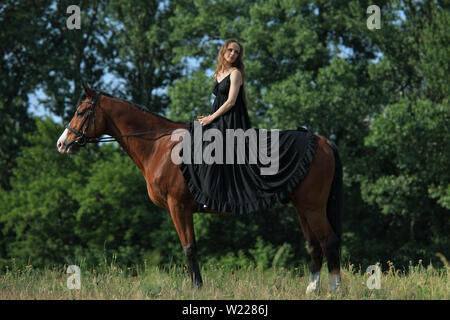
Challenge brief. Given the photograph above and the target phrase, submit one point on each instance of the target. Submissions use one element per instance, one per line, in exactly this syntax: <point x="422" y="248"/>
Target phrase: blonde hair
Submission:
<point x="238" y="64"/>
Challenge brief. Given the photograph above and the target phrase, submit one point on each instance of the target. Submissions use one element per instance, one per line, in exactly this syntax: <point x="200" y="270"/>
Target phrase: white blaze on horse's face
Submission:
<point x="77" y="129"/>
<point x="61" y="144"/>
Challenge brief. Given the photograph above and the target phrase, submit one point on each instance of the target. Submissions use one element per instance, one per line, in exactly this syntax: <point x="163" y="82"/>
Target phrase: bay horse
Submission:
<point x="145" y="137"/>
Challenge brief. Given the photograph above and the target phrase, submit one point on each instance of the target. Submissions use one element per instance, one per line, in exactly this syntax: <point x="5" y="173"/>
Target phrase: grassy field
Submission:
<point x="150" y="282"/>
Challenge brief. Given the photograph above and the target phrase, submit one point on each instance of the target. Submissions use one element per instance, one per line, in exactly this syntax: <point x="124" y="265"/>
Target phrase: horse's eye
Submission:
<point x="80" y="113"/>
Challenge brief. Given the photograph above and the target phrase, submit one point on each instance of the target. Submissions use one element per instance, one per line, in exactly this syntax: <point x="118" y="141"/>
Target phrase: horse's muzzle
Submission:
<point x="69" y="147"/>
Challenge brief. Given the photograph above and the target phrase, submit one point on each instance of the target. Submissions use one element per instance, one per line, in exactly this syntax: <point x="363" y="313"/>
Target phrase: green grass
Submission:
<point x="150" y="282"/>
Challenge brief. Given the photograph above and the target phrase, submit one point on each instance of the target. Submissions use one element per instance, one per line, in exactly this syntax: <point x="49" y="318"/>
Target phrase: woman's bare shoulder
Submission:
<point x="235" y="70"/>
<point x="236" y="73"/>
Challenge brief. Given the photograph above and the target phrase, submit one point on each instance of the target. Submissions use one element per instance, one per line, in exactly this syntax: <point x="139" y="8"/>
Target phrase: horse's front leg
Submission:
<point x="190" y="251"/>
<point x="184" y="224"/>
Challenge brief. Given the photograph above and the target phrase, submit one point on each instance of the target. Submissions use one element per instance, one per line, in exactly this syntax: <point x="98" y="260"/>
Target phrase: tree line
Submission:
<point x="381" y="95"/>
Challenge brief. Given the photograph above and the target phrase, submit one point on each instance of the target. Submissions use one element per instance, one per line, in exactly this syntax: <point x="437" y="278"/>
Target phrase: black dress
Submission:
<point x="241" y="187"/>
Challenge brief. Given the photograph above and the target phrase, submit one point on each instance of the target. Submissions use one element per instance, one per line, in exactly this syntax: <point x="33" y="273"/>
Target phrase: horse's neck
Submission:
<point x="126" y="119"/>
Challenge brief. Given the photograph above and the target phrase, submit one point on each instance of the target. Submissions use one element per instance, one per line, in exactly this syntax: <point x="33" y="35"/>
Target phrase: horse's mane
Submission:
<point x="140" y="107"/>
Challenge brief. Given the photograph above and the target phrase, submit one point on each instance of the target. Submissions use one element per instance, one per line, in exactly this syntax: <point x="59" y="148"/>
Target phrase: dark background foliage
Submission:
<point x="381" y="95"/>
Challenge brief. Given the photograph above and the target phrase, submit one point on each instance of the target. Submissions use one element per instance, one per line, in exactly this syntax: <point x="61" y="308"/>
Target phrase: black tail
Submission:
<point x="335" y="204"/>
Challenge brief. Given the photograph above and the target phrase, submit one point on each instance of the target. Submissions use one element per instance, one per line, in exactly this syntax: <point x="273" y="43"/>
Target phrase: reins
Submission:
<point x="82" y="140"/>
<point x="113" y="138"/>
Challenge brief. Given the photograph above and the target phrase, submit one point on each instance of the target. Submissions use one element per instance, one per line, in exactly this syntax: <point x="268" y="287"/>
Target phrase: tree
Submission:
<point x="81" y="209"/>
<point x="37" y="213"/>
<point x="73" y="55"/>
<point x="190" y="97"/>
<point x="143" y="50"/>
<point x="21" y="57"/>
<point x="408" y="180"/>
<point x="411" y="184"/>
<point x="377" y="93"/>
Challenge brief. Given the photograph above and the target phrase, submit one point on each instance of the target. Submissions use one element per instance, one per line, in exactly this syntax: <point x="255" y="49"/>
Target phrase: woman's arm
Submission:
<point x="236" y="81"/>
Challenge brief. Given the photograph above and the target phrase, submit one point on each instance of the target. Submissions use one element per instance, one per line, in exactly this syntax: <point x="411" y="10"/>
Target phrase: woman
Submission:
<point x="240" y="187"/>
<point x="229" y="88"/>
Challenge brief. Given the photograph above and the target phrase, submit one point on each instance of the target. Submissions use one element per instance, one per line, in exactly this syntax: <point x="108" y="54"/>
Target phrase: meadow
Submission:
<point x="144" y="282"/>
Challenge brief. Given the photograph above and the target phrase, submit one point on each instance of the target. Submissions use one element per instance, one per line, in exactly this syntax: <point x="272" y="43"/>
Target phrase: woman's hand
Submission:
<point x="205" y="120"/>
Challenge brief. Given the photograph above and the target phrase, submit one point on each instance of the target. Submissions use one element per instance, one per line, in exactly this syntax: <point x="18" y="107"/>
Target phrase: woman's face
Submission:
<point x="232" y="52"/>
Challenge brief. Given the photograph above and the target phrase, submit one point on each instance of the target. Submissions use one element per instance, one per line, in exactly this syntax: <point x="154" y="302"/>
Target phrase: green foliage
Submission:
<point x="90" y="207"/>
<point x="263" y="253"/>
<point x="381" y="95"/>
<point x="264" y="240"/>
<point x="283" y="256"/>
<point x="70" y="56"/>
<point x="190" y="97"/>
<point x="20" y="60"/>
<point x="411" y="187"/>
<point x="263" y="256"/>
<point x="142" y="48"/>
<point x="114" y="213"/>
<point x="38" y="212"/>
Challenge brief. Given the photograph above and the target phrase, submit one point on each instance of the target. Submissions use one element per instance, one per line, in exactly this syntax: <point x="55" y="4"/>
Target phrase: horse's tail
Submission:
<point x="335" y="204"/>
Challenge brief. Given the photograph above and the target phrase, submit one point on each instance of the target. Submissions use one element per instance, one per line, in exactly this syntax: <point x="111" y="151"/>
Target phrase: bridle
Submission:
<point x="81" y="138"/>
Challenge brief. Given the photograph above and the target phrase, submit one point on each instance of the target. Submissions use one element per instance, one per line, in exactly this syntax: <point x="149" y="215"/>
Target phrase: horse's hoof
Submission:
<point x="313" y="286"/>
<point x="311" y="290"/>
<point x="334" y="284"/>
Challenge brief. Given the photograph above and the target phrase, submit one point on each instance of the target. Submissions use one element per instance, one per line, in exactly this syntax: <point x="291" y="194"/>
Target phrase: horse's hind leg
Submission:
<point x="330" y="244"/>
<point x="184" y="224"/>
<point x="310" y="198"/>
<point x="332" y="247"/>
<point x="321" y="239"/>
<point x="316" y="254"/>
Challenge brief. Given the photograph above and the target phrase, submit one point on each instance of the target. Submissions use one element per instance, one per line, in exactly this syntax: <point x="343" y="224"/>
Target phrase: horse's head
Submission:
<point x="87" y="125"/>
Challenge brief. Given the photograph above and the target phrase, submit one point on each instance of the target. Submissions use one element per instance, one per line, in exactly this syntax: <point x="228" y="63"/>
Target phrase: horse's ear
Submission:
<point x="89" y="92"/>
